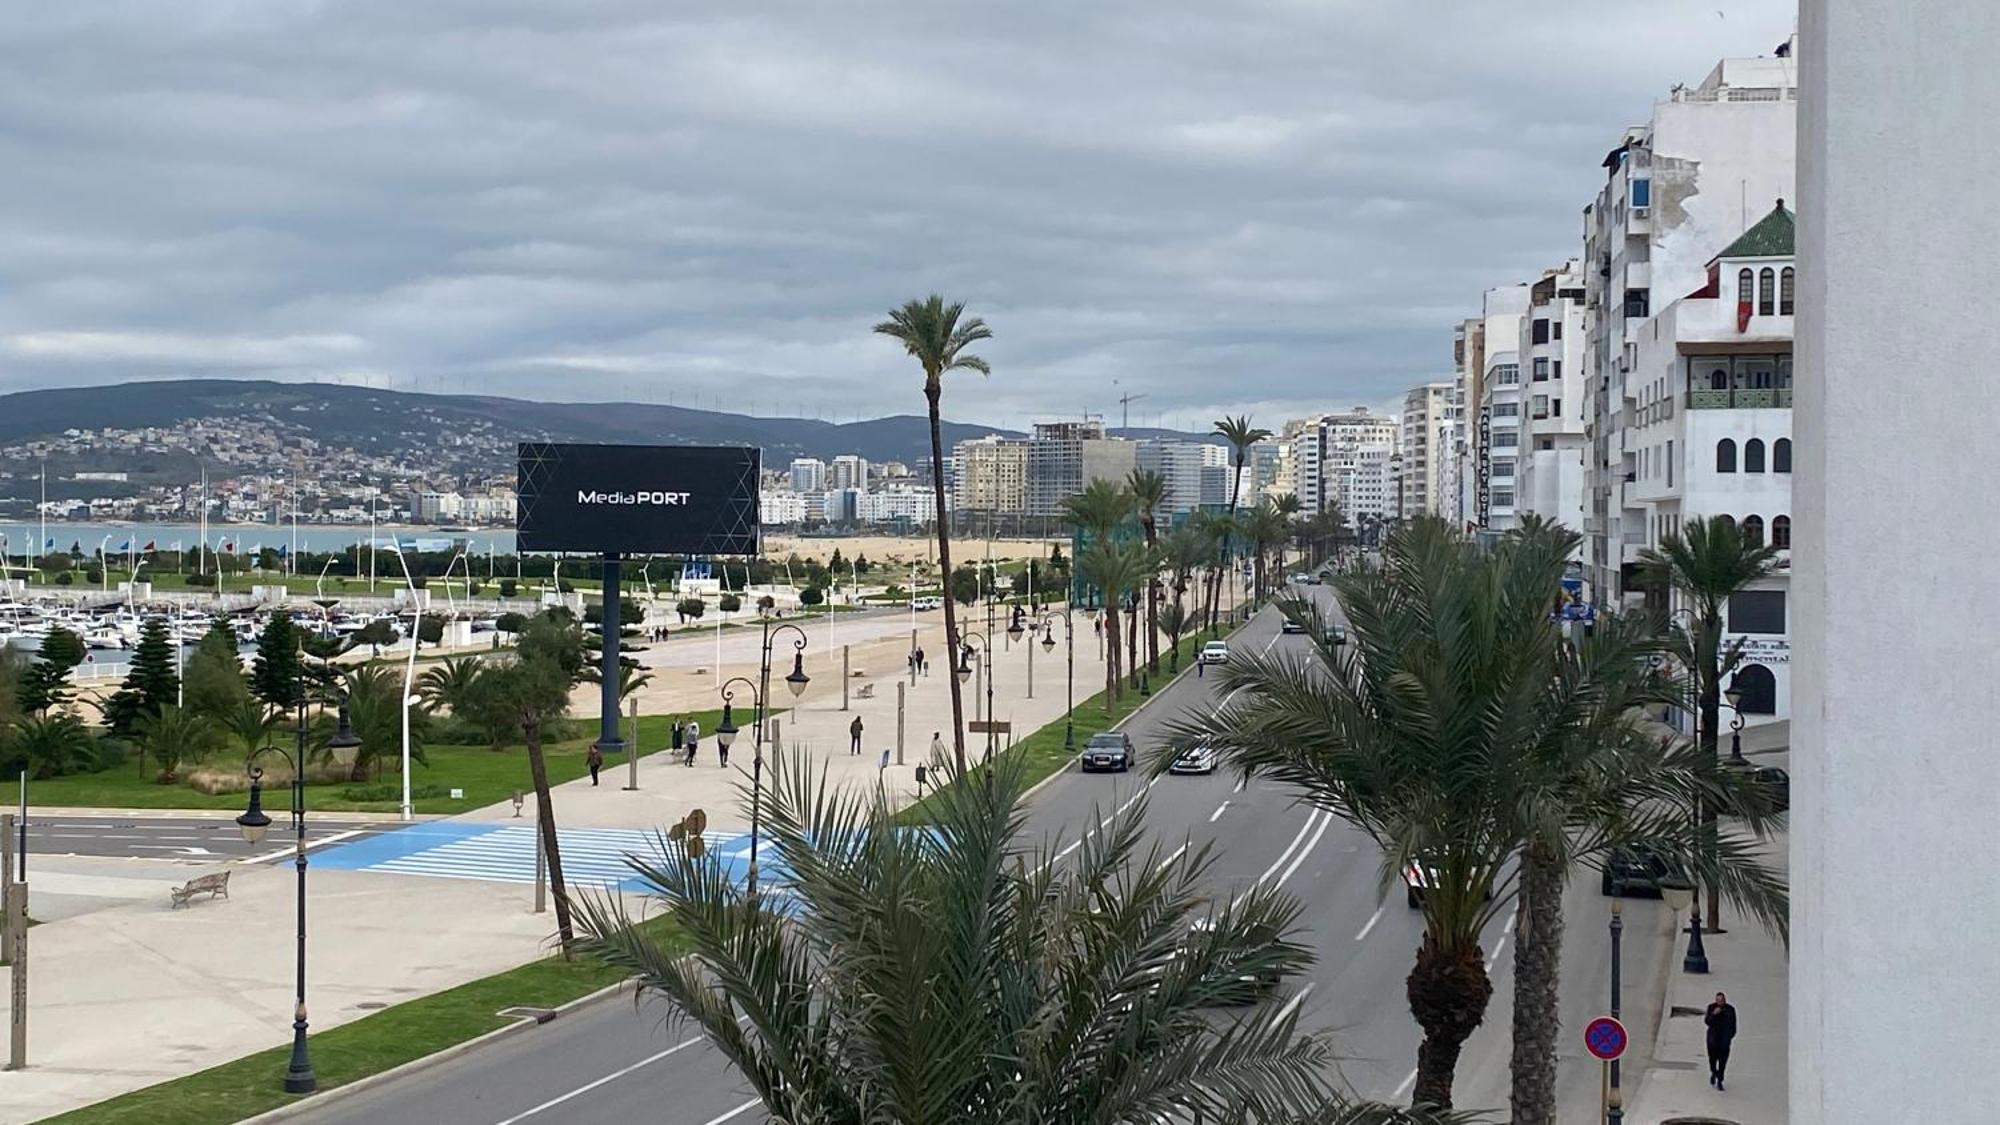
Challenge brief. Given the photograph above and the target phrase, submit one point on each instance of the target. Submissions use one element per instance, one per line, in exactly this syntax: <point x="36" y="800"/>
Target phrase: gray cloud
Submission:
<point x="1277" y="204"/>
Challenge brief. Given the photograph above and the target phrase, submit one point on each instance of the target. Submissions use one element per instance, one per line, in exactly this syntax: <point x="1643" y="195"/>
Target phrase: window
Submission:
<point x="1503" y="497"/>
<point x="1507" y="375"/>
<point x="1545" y="443"/>
<point x="1556" y="407"/>
<point x="1506" y="439"/>
<point x="1541" y="406"/>
<point x="1725" y="456"/>
<point x="1757" y="688"/>
<point x="1642" y="193"/>
<point x="1718" y="379"/>
<point x="1539" y="332"/>
<point x="1757" y="611"/>
<point x="1556" y="369"/>
<point x="1506" y="409"/>
<point x="1785" y="292"/>
<point x="1556" y="328"/>
<point x="1746" y="286"/>
<point x="1638" y="303"/>
<point x="1727" y="521"/>
<point x="1781" y="455"/>
<point x="1753" y="530"/>
<point x="1781" y="532"/>
<point x="1541" y="369"/>
<point x="1767" y="292"/>
<point x="1753" y="455"/>
<point x="1670" y="464"/>
<point x="1503" y="467"/>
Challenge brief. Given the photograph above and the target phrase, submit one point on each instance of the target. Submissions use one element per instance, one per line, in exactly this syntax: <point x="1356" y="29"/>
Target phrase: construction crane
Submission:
<point x="1125" y="405"/>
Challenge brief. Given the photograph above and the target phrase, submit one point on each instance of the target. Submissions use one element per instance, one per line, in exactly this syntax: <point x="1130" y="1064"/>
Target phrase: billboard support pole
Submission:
<point x="608" y="739"/>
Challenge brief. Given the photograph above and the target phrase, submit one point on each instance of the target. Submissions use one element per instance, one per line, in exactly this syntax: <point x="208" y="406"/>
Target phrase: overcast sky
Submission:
<point x="1263" y="205"/>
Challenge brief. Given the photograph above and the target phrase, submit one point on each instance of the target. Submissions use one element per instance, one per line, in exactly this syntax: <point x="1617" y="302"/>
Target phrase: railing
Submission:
<point x="1746" y="398"/>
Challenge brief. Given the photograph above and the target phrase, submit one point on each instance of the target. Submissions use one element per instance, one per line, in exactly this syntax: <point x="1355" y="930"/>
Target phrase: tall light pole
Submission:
<point x="254" y="823"/>
<point x="1014" y="630"/>
<point x="964" y="673"/>
<point x="409" y="675"/>
<point x="1048" y="624"/>
<point x="725" y="731"/>
<point x="1615" y="1113"/>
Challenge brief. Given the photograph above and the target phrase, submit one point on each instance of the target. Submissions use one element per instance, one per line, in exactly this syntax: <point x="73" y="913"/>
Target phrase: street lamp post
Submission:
<point x="964" y="673"/>
<point x="1679" y="896"/>
<point x="1615" y="1112"/>
<point x="1014" y="630"/>
<point x="1734" y="696"/>
<point x="1048" y="625"/>
<point x="254" y="823"/>
<point x="760" y="693"/>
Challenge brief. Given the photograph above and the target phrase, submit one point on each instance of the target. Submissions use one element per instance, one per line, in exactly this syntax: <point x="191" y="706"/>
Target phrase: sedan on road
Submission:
<point x="1215" y="652"/>
<point x="1107" y="750"/>
<point x="1776" y="784"/>
<point x="1290" y="626"/>
<point x="1637" y="868"/>
<point x="1199" y="758"/>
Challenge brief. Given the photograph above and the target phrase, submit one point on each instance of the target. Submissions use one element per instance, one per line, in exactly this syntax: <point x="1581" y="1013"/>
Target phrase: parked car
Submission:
<point x="923" y="604"/>
<point x="1215" y="652"/>
<point x="1777" y="786"/>
<point x="1291" y="626"/>
<point x="1336" y="634"/>
<point x="1199" y="758"/>
<point x="1108" y="750"/>
<point x="1301" y="579"/>
<point x="1638" y="868"/>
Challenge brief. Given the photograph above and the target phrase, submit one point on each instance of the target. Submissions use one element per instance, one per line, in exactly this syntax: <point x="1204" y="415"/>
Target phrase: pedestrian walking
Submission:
<point x="680" y="734"/>
<point x="854" y="736"/>
<point x="1721" y="1021"/>
<point x="923" y="666"/>
<point x="937" y="749"/>
<point x="693" y="740"/>
<point x="595" y="760"/>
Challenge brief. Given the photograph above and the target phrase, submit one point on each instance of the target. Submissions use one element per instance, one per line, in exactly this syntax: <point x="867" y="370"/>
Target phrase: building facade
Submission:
<point x="1550" y="468"/>
<point x="990" y="474"/>
<point x="1427" y="439"/>
<point x="1326" y="453"/>
<point x="1063" y="457"/>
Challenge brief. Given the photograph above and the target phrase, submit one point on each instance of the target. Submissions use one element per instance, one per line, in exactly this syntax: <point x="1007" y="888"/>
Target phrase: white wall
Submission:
<point x="1895" y="895"/>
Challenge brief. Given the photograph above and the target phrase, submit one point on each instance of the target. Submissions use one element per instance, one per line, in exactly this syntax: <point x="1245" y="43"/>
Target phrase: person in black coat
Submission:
<point x="1721" y="1021"/>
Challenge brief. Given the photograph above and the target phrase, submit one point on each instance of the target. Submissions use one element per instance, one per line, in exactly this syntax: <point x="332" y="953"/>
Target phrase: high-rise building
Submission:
<point x="1549" y="476"/>
<point x="1678" y="190"/>
<point x="848" y="471"/>
<point x="808" y="474"/>
<point x="1326" y="453"/>
<point x="1180" y="463"/>
<point x="1427" y="442"/>
<point x="1063" y="457"/>
<point x="1490" y="441"/>
<point x="990" y="474"/>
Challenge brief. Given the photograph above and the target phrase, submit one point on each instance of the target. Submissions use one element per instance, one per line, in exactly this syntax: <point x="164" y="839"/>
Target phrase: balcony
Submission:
<point x="1758" y="398"/>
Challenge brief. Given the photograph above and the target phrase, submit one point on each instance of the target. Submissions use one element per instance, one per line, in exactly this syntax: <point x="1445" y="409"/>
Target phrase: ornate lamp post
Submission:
<point x="1015" y="628"/>
<point x="1679" y="896"/>
<point x="760" y="693"/>
<point x="964" y="673"/>
<point x="1734" y="696"/>
<point x="1048" y="626"/>
<point x="254" y="823"/>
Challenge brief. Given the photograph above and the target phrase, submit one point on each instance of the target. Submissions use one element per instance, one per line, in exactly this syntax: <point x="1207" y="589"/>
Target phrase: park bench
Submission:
<point x="867" y="692"/>
<point x="211" y="885"/>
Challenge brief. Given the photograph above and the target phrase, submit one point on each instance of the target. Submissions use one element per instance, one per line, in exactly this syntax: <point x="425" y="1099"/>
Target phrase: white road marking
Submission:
<point x="1498" y="947"/>
<point x="1311" y="817"/>
<point x="1177" y="853"/>
<point x="1325" y="823"/>
<point x="318" y="842"/>
<point x="1374" y="918"/>
<point x="1408" y="1081"/>
<point x="1217" y="814"/>
<point x="1292" y="1005"/>
<point x="612" y="1077"/>
<point x="739" y="1110"/>
<point x="1511" y="919"/>
<point x="1241" y="784"/>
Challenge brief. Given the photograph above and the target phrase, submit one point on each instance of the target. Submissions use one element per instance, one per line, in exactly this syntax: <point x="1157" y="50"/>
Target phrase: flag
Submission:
<point x="229" y="545"/>
<point x="125" y="546"/>
<point x="49" y="546"/>
<point x="149" y="545"/>
<point x="282" y="549"/>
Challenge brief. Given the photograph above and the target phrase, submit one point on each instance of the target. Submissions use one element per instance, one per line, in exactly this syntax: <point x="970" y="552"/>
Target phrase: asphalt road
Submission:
<point x="615" y="1062"/>
<point x="190" y="839"/>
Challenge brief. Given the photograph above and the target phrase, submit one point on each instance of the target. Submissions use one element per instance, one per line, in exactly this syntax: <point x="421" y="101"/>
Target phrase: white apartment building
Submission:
<point x="808" y="474"/>
<point x="1711" y="434"/>
<point x="779" y="507"/>
<point x="1428" y="434"/>
<point x="1550" y="467"/>
<point x="1677" y="191"/>
<point x="1180" y="463"/>
<point x="990" y="474"/>
<point x="1489" y="443"/>
<point x="1367" y="489"/>
<point x="1326" y="458"/>
<point x="848" y="471"/>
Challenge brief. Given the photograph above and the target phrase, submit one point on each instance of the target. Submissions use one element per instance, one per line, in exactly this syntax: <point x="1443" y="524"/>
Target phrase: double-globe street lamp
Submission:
<point x="760" y="693"/>
<point x="964" y="673"/>
<point x="254" y="823"/>
<point x="1047" y="625"/>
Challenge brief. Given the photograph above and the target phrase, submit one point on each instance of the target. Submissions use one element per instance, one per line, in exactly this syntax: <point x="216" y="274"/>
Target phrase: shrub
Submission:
<point x="509" y="587"/>
<point x="811" y="595"/>
<point x="391" y="791"/>
<point x="511" y="622"/>
<point x="730" y="603"/>
<point x="65" y="578"/>
<point x="192" y="579"/>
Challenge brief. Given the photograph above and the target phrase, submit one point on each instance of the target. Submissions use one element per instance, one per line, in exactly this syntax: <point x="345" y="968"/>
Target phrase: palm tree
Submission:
<point x="631" y="677"/>
<point x="174" y="736"/>
<point x="1115" y="569"/>
<point x="375" y="711"/>
<point x="1100" y="509"/>
<point x="980" y="982"/>
<point x="252" y="724"/>
<point x="1149" y="493"/>
<point x="1241" y="435"/>
<point x="1596" y="780"/>
<point x="51" y="744"/>
<point x="448" y="685"/>
<point x="1265" y="528"/>
<point x="1188" y="548"/>
<point x="1707" y="561"/>
<point x="931" y="331"/>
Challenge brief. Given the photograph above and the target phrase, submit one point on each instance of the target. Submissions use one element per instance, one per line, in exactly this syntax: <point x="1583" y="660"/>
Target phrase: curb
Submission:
<point x="218" y="814"/>
<point x="312" y="1103"/>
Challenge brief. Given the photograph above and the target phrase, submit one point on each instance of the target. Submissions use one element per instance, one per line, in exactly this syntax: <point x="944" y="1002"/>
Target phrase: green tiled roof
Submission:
<point x="1770" y="238"/>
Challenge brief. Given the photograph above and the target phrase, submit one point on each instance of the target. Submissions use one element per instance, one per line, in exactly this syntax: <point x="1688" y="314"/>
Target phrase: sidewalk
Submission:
<point x="1752" y="968"/>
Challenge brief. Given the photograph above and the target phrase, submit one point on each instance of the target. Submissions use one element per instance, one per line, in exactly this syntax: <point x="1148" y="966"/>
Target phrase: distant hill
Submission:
<point x="381" y="421"/>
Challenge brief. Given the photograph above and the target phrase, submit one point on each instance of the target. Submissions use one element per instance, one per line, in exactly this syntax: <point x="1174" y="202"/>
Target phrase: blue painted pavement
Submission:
<point x="505" y="853"/>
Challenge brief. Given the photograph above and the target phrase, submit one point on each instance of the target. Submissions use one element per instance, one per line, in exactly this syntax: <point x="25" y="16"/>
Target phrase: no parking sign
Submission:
<point x="1605" y="1038"/>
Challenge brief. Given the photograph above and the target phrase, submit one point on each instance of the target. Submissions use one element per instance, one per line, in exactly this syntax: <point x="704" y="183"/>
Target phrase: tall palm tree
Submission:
<point x="1241" y="435"/>
<point x="1115" y="569"/>
<point x="1149" y="493"/>
<point x="1706" y="562"/>
<point x="1594" y="780"/>
<point x="931" y="331"/>
<point x="980" y="981"/>
<point x="174" y="736"/>
<point x="1100" y="509"/>
<point x="1264" y="527"/>
<point x="631" y="677"/>
<point x="1188" y="548"/>
<point x="252" y="724"/>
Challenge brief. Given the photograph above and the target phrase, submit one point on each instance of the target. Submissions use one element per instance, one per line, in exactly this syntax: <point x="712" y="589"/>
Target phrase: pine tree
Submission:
<point x="44" y="683"/>
<point x="277" y="675"/>
<point x="150" y="685"/>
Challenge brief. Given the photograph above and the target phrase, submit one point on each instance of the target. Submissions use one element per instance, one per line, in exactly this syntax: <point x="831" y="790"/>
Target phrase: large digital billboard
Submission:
<point x="638" y="499"/>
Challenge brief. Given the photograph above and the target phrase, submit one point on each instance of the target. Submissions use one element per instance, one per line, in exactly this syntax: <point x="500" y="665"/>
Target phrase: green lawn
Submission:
<point x="485" y="775"/>
<point x="1043" y="751"/>
<point x="370" y="1045"/>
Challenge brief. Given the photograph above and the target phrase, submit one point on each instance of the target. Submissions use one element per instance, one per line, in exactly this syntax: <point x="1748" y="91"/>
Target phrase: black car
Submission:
<point x="1637" y="868"/>
<point x="1291" y="626"/>
<point x="1108" y="750"/>
<point x="1776" y="784"/>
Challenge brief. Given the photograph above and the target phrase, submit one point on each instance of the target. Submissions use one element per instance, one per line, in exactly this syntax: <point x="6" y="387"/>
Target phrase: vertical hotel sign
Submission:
<point x="1484" y="475"/>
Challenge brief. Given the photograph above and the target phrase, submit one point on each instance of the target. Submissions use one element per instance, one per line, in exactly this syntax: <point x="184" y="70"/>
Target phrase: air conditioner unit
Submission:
<point x="1642" y="212"/>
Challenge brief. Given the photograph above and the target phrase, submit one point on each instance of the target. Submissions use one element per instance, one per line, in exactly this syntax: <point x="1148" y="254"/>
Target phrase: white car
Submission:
<point x="925" y="604"/>
<point x="1214" y="652"/>
<point x="1199" y="758"/>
